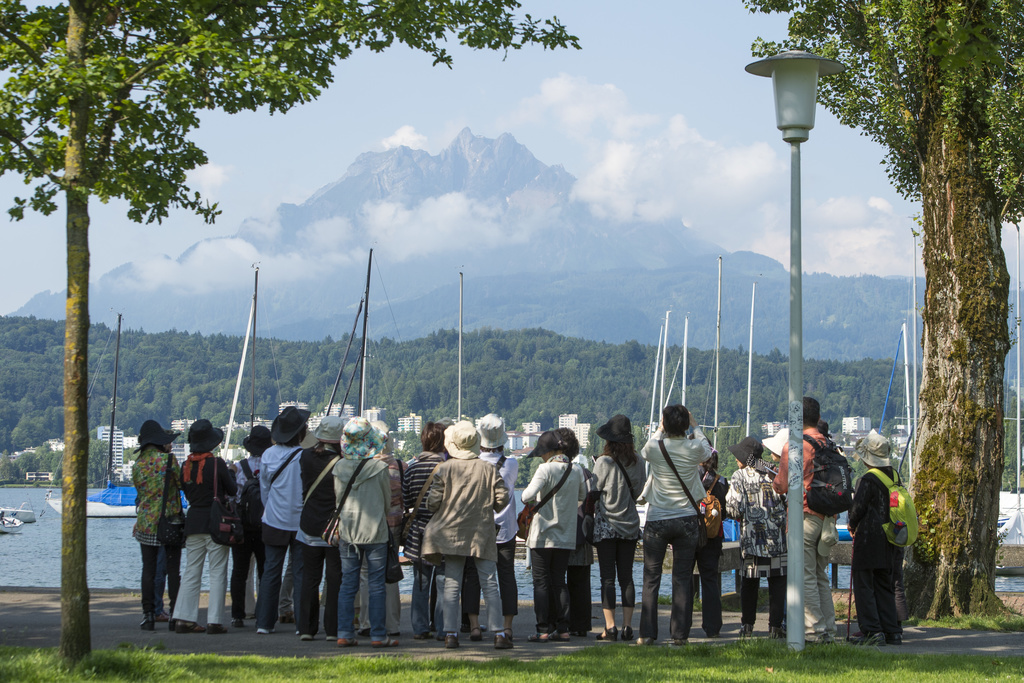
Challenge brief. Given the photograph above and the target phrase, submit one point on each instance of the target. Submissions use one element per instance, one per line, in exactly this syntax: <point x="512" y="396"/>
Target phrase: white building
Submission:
<point x="411" y="423"/>
<point x="531" y="428"/>
<point x="103" y="434"/>
<point x="181" y="425"/>
<point x="375" y="414"/>
<point x="773" y="428"/>
<point x="856" y="424"/>
<point x="297" y="404"/>
<point x="55" y="445"/>
<point x="567" y="420"/>
<point x="582" y="431"/>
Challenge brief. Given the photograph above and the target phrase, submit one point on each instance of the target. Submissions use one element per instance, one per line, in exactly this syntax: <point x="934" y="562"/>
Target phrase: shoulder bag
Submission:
<point x="170" y="530"/>
<point x="411" y="516"/>
<point x="525" y="517"/>
<point x="308" y="516"/>
<point x="709" y="509"/>
<point x="330" y="534"/>
<point x="225" y="522"/>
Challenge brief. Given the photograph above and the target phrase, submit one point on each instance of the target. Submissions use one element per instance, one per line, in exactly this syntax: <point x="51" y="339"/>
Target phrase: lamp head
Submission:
<point x="794" y="77"/>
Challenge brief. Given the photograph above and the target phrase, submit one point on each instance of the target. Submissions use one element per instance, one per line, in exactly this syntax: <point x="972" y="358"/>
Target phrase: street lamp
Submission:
<point x="794" y="76"/>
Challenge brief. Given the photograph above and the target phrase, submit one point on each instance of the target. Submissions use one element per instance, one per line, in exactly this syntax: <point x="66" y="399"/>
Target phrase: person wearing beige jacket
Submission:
<point x="465" y="494"/>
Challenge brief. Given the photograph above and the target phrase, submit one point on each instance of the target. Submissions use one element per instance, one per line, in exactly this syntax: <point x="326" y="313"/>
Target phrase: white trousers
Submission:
<point x="197" y="548"/>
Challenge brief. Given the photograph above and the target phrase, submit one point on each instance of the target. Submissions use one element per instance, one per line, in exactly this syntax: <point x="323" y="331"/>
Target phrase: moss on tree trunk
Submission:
<point x="959" y="462"/>
<point x="75" y="634"/>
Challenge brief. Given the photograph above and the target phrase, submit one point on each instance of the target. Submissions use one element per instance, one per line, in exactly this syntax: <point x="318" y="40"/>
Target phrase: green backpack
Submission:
<point x="901" y="529"/>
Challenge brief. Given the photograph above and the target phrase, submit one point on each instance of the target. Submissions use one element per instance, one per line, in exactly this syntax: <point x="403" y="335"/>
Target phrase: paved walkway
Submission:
<point x="30" y="617"/>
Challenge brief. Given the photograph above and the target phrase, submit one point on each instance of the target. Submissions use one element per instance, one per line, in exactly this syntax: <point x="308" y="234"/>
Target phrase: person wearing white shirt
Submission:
<point x="281" y="489"/>
<point x="671" y="519"/>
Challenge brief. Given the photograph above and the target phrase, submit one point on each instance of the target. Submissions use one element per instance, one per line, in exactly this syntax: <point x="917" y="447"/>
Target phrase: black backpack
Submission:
<point x="250" y="504"/>
<point x="831" y="489"/>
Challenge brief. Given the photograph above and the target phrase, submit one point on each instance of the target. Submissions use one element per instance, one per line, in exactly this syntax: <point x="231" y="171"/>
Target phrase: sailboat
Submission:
<point x="114" y="500"/>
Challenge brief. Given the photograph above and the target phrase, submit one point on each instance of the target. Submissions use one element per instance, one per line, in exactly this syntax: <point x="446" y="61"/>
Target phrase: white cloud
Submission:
<point x="209" y="179"/>
<point x="406" y="136"/>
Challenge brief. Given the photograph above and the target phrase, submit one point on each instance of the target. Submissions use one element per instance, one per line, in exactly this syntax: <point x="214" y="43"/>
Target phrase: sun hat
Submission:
<point x="549" y="441"/>
<point x="492" y="431"/>
<point x="617" y="429"/>
<point x="330" y="428"/>
<point x="289" y="423"/>
<point x="258" y="440"/>
<point x="152" y="433"/>
<point x="462" y="441"/>
<point x="360" y="440"/>
<point x="203" y="437"/>
<point x="747" y="451"/>
<point x="873" y="450"/>
<point x="776" y="443"/>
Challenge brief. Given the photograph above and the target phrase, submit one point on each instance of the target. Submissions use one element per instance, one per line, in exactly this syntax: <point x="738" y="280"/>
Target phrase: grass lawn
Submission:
<point x="756" y="660"/>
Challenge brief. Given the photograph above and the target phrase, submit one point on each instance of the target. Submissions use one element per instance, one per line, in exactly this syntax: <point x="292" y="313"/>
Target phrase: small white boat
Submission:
<point x="22" y="513"/>
<point x="10" y="525"/>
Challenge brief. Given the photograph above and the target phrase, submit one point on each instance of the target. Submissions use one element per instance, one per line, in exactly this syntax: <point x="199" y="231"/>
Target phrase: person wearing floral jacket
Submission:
<point x="762" y="515"/>
<point x="153" y="464"/>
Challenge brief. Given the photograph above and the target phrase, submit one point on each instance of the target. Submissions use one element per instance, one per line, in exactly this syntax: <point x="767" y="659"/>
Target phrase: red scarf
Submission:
<point x="197" y="458"/>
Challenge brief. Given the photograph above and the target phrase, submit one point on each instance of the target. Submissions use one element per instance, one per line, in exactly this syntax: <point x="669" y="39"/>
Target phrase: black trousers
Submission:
<point x="710" y="587"/>
<point x="615" y="557"/>
<point x="149" y="556"/>
<point x="776" y="600"/>
<point x="875" y="600"/>
<point x="319" y="562"/>
<point x="550" y="593"/>
<point x="240" y="558"/>
<point x="581" y="601"/>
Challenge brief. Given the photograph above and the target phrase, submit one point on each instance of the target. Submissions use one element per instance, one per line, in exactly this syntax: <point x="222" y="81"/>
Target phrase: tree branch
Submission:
<point x="41" y="168"/>
<point x="32" y="54"/>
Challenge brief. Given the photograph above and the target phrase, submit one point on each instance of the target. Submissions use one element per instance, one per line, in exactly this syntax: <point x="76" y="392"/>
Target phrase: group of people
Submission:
<point x="336" y="505"/>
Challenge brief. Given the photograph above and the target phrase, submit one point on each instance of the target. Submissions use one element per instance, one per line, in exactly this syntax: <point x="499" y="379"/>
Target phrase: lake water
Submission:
<point x="32" y="558"/>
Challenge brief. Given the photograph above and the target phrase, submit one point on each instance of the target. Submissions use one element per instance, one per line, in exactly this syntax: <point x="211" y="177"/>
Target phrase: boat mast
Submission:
<point x="238" y="381"/>
<point x="686" y="335"/>
<point x="906" y="382"/>
<point x="366" y="315"/>
<point x="914" y="340"/>
<point x="1018" y="366"/>
<point x="750" y="354"/>
<point x="113" y="402"/>
<point x="459" y="409"/>
<point x="664" y="362"/>
<point x="718" y="346"/>
<point x="255" y="291"/>
<point x="654" y="388"/>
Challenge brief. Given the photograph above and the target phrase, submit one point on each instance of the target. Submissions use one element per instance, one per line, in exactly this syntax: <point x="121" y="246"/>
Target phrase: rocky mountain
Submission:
<point x="532" y="257"/>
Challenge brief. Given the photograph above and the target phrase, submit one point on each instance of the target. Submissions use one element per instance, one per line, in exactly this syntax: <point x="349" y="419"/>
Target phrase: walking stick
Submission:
<point x="849" y="597"/>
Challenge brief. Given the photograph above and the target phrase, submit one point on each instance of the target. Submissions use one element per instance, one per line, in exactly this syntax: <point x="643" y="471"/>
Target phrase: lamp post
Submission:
<point x="794" y="77"/>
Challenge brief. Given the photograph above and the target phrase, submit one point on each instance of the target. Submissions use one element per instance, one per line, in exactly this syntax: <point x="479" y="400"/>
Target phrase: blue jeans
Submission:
<point x="681" y="533"/>
<point x="352" y="556"/>
<point x="270" y="582"/>
<point x="422" y="575"/>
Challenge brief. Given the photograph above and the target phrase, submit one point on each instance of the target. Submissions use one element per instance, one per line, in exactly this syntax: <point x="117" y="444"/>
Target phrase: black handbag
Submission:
<point x="170" y="531"/>
<point x="393" y="572"/>
<point x="225" y="522"/>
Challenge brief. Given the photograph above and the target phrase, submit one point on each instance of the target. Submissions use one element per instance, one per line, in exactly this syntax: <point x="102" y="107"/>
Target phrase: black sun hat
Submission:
<point x="289" y="423"/>
<point x="152" y="433"/>
<point x="618" y="429"/>
<point x="203" y="437"/>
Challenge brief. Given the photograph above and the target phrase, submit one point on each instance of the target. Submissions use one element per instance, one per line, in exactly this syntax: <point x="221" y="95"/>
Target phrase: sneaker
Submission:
<point x="306" y="636"/>
<point x="237" y="623"/>
<point x="644" y="641"/>
<point x="823" y="638"/>
<point x="679" y="642"/>
<point x="215" y="629"/>
<point x="746" y="630"/>
<point x="264" y="631"/>
<point x="776" y="633"/>
<point x="364" y="632"/>
<point x="287" y="618"/>
<point x="502" y="642"/>
<point x="893" y="639"/>
<point x="451" y="641"/>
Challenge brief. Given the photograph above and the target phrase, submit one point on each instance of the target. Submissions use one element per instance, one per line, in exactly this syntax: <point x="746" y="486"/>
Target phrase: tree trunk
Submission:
<point x="75" y="635"/>
<point x="951" y="569"/>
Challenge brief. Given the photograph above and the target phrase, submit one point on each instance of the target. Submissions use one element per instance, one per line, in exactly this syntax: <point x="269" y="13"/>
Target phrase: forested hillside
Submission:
<point x="522" y="375"/>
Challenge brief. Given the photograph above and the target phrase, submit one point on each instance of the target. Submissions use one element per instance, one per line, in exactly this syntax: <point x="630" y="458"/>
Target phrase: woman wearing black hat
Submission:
<point x="620" y="475"/>
<point x="155" y="471"/>
<point x="199" y="473"/>
<point x="241" y="555"/>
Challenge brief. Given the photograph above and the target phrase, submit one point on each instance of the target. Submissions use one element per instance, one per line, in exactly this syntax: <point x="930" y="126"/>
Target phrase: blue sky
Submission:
<point x="655" y="116"/>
